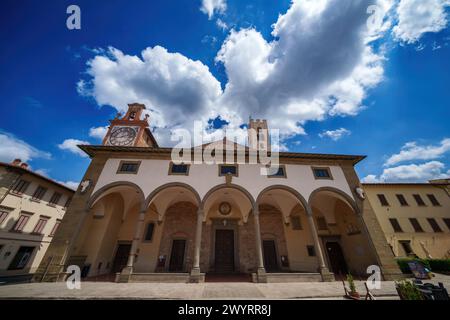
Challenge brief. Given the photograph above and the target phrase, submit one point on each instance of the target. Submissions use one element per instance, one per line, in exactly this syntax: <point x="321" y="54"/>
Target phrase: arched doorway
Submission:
<point x="228" y="237"/>
<point x="341" y="232"/>
<point x="176" y="205"/>
<point x="285" y="230"/>
<point x="104" y="242"/>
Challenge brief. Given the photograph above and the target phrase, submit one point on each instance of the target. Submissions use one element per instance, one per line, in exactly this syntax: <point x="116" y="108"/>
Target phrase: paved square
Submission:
<point x="109" y="290"/>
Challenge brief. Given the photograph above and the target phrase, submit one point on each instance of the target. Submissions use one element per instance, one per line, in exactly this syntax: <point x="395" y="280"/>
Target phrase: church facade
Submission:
<point x="138" y="216"/>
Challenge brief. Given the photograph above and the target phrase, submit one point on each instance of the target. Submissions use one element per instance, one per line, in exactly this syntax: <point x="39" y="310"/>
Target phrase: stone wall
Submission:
<point x="372" y="229"/>
<point x="272" y="228"/>
<point x="247" y="246"/>
<point x="179" y="223"/>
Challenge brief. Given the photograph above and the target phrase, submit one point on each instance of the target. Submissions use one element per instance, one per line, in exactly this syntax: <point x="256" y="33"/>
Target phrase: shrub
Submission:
<point x="436" y="265"/>
<point x="404" y="267"/>
<point x="351" y="283"/>
<point x="408" y="291"/>
<point x="439" y="265"/>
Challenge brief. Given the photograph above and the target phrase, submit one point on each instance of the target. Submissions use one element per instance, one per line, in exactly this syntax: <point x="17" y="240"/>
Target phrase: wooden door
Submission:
<point x="224" y="251"/>
<point x="336" y="257"/>
<point x="121" y="258"/>
<point x="270" y="255"/>
<point x="176" y="263"/>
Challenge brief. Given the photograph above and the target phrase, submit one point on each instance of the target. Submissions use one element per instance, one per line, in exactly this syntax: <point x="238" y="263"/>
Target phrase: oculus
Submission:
<point x="224" y="208"/>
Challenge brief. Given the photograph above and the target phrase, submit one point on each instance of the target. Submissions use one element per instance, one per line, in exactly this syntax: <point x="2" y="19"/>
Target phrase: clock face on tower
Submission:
<point x="122" y="136"/>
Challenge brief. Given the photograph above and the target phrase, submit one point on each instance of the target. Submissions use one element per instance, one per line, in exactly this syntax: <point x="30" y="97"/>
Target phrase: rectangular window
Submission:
<point x="395" y="225"/>
<point x="3" y="215"/>
<point x="383" y="200"/>
<point x="406" y="245"/>
<point x="322" y="173"/>
<point x="21" y="258"/>
<point x="225" y="169"/>
<point x="55" y="198"/>
<point x="149" y="232"/>
<point x="401" y="199"/>
<point x="67" y="204"/>
<point x="296" y="223"/>
<point x="321" y="223"/>
<point x="21" y="222"/>
<point x="419" y="200"/>
<point x="40" y="225"/>
<point x="281" y="173"/>
<point x="416" y="225"/>
<point x="129" y="167"/>
<point x="20" y="187"/>
<point x="447" y="222"/>
<point x="178" y="169"/>
<point x="39" y="193"/>
<point x="434" y="225"/>
<point x="311" y="251"/>
<point x="55" y="227"/>
<point x="433" y="200"/>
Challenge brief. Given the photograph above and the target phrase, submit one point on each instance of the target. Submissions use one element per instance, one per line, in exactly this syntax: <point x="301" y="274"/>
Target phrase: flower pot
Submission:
<point x="354" y="295"/>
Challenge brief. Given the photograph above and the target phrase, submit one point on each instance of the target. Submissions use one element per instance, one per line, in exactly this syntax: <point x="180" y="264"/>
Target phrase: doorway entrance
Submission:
<point x="121" y="257"/>
<point x="336" y="258"/>
<point x="224" y="251"/>
<point x="270" y="255"/>
<point x="176" y="263"/>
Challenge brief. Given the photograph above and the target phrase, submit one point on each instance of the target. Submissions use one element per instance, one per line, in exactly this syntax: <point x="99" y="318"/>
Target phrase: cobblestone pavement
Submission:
<point x="109" y="290"/>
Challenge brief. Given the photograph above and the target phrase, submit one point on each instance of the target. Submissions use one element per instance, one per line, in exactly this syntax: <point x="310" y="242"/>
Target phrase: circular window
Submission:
<point x="224" y="208"/>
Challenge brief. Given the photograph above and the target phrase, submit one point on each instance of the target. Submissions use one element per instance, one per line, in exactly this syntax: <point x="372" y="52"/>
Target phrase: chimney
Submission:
<point x="24" y="165"/>
<point x="16" y="162"/>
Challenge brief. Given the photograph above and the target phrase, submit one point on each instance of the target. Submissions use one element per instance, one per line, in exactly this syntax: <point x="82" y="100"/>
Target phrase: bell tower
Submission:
<point x="130" y="130"/>
<point x="258" y="135"/>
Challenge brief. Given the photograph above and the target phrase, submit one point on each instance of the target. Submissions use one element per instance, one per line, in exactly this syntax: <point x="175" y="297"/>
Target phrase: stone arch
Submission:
<point x="155" y="192"/>
<point x="233" y="186"/>
<point x="103" y="191"/>
<point x="349" y="200"/>
<point x="292" y="191"/>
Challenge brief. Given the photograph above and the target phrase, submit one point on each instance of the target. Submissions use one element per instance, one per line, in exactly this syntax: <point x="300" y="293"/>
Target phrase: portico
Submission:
<point x="143" y="217"/>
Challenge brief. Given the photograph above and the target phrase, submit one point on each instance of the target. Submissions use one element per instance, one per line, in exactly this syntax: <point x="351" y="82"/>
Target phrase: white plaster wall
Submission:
<point x="202" y="177"/>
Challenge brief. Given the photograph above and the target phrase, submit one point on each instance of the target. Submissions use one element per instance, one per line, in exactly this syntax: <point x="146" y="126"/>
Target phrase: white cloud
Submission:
<point x="335" y="135"/>
<point x="371" y="178"/>
<point x="175" y="89"/>
<point x="413" y="151"/>
<point x="98" y="132"/>
<point x="210" y="7"/>
<point x="319" y="64"/>
<point x="12" y="148"/>
<point x="411" y="173"/>
<point x="306" y="73"/>
<point x="417" y="17"/>
<point x="71" y="146"/>
<point x="42" y="172"/>
<point x="221" y="24"/>
<point x="70" y="184"/>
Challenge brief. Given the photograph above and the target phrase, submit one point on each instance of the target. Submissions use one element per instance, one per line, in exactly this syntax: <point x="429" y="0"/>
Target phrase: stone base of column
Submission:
<point x="260" y="276"/>
<point x="327" y="276"/>
<point x="196" y="276"/>
<point x="125" y="275"/>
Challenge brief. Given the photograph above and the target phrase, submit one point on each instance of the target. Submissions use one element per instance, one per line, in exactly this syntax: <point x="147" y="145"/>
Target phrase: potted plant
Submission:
<point x="351" y="283"/>
<point x="408" y="291"/>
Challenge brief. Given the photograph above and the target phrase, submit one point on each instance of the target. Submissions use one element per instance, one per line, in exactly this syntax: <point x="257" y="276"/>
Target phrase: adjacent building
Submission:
<point x="31" y="208"/>
<point x="141" y="217"/>
<point x="415" y="217"/>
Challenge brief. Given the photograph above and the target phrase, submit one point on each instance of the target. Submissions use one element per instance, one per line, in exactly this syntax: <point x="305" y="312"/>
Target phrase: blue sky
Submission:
<point x="306" y="66"/>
